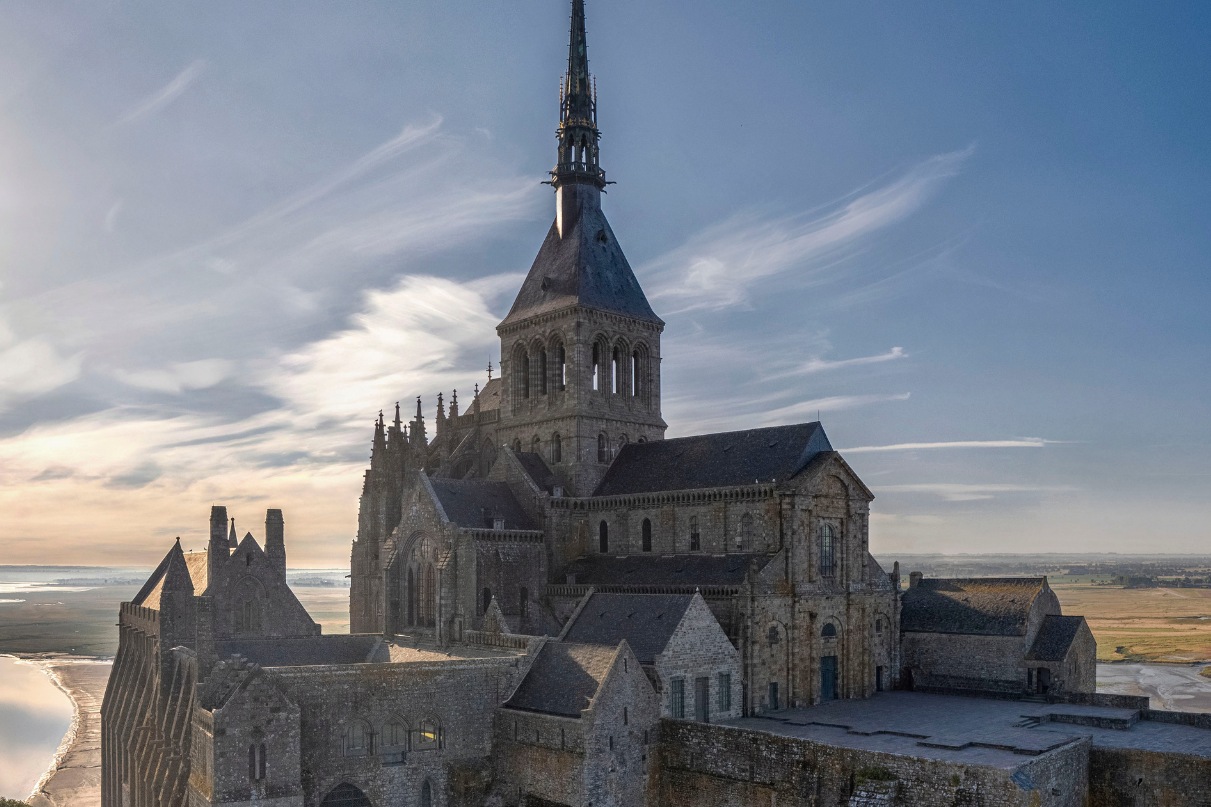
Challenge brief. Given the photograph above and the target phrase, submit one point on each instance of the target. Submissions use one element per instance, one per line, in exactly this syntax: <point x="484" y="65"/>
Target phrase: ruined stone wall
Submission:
<point x="714" y="766"/>
<point x="964" y="662"/>
<point x="454" y="701"/>
<point x="1122" y="777"/>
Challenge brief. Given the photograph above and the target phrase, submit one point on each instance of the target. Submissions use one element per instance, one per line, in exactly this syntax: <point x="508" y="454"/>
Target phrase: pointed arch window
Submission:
<point x="616" y="371"/>
<point x="603" y="537"/>
<point x="428" y="736"/>
<point x="745" y="539"/>
<point x="541" y="371"/>
<point x="395" y="735"/>
<point x="603" y="448"/>
<point x="695" y="535"/>
<point x="358" y="739"/>
<point x="647" y="535"/>
<point x="487" y="599"/>
<point x="536" y="444"/>
<point x="428" y="597"/>
<point x="556" y="448"/>
<point x="597" y="368"/>
<point x="517" y="446"/>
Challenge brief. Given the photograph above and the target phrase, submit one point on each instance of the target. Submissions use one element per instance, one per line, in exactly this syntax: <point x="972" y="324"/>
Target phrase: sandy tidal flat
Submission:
<point x="1143" y="624"/>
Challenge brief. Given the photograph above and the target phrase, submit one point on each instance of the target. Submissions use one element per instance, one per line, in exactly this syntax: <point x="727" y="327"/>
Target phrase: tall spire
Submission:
<point x="578" y="160"/>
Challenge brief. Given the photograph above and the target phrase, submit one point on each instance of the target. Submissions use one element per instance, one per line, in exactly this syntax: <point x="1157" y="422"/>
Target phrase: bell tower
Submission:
<point x="580" y="348"/>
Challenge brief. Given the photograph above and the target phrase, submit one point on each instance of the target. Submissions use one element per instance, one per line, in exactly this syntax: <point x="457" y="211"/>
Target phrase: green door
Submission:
<point x="828" y="678"/>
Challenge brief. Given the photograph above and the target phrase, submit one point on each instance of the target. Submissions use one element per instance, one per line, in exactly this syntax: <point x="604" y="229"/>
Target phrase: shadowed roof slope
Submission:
<point x="307" y="651"/>
<point x="664" y="570"/>
<point x="1055" y="637"/>
<point x="563" y="679"/>
<point x="645" y="621"/>
<point x="992" y="606"/>
<point x="195" y="565"/>
<point x="475" y="502"/>
<point x="719" y="460"/>
<point x="586" y="268"/>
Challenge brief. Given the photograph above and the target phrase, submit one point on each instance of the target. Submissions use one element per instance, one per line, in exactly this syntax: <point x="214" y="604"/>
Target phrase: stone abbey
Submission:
<point x="552" y="604"/>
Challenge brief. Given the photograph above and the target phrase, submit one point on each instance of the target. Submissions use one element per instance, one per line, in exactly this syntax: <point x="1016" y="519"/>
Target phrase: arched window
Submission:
<point x="428" y="736"/>
<point x="487" y="599"/>
<point x="596" y="368"/>
<point x="541" y="372"/>
<point x="647" y="535"/>
<point x="412" y="593"/>
<point x="561" y="366"/>
<point x="639" y="373"/>
<point x="487" y="456"/>
<point x="622" y="441"/>
<point x="358" y="739"/>
<point x="426" y="794"/>
<point x="695" y="535"/>
<point x="878" y="624"/>
<point x="256" y="762"/>
<point x="428" y="596"/>
<point x="523" y="373"/>
<point x="745" y="540"/>
<point x="603" y="448"/>
<point x="556" y="448"/>
<point x="536" y="444"/>
<point x="517" y="446"/>
<point x="829" y="631"/>
<point x="345" y="795"/>
<point x="395" y="735"/>
<point x="523" y="602"/>
<point x="828" y="550"/>
<point x="603" y="537"/>
<point x="616" y="370"/>
<point x="248" y="617"/>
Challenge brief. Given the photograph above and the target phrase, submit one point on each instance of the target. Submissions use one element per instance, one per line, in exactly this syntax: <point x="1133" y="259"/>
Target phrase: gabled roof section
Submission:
<point x="307" y="651"/>
<point x="563" y="679"/>
<point x="584" y="268"/>
<point x="177" y="570"/>
<point x="664" y="570"/>
<point x="986" y="606"/>
<point x="645" y="621"/>
<point x="727" y="459"/>
<point x="536" y="468"/>
<point x="1055" y="637"/>
<point x="475" y="503"/>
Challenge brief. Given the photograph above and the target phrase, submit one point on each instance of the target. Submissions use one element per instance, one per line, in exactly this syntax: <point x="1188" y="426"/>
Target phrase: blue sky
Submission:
<point x="974" y="237"/>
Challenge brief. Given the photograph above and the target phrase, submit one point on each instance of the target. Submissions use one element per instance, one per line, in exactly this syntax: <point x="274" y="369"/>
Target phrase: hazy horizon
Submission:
<point x="973" y="239"/>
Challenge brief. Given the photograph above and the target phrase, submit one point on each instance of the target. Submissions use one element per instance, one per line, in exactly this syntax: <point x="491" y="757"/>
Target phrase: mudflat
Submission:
<point x="75" y="778"/>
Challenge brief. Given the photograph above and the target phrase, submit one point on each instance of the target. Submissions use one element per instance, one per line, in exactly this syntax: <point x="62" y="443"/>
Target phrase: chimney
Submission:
<point x="275" y="540"/>
<point x="218" y="550"/>
<point x="914" y="579"/>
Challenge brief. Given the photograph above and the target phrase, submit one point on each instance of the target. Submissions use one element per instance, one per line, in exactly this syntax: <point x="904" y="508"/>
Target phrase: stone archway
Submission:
<point x="345" y="795"/>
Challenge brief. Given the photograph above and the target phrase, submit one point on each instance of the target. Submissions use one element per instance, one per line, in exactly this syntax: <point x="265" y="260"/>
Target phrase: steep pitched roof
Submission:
<point x="476" y="502"/>
<point x="536" y="467"/>
<point x="173" y="570"/>
<point x="1055" y="637"/>
<point x="645" y="621"/>
<point x="585" y="268"/>
<point x="664" y="570"/>
<point x="719" y="460"/>
<point x="563" y="679"/>
<point x="989" y="606"/>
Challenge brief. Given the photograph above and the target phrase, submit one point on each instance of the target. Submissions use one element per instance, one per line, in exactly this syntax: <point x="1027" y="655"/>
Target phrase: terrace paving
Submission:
<point x="994" y="733"/>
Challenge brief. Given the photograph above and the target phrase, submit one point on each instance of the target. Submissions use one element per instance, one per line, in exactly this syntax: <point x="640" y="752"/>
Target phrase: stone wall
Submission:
<point x="700" y="649"/>
<point x="719" y="766"/>
<point x="1120" y="777"/>
<point x="964" y="662"/>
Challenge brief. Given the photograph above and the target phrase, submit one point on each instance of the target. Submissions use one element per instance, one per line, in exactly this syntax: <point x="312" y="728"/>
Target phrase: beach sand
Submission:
<point x="74" y="778"/>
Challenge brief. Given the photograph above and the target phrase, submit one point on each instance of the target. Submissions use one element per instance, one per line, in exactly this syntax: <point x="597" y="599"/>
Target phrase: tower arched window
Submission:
<point x="745" y="539"/>
<point x="517" y="446"/>
<point x="603" y="537"/>
<point x="541" y="374"/>
<point x="639" y="373"/>
<point x="560" y="374"/>
<point x="556" y="448"/>
<point x="536" y="444"/>
<point x="603" y="448"/>
<point x="828" y="550"/>
<point x="695" y="535"/>
<point x="597" y="358"/>
<point x="487" y="599"/>
<point x="647" y="535"/>
<point x="616" y="370"/>
<point x="523" y="374"/>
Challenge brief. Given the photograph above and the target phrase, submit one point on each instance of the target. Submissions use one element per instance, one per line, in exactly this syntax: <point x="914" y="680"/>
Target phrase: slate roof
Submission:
<point x="664" y="570"/>
<point x="489" y="397"/>
<point x="1055" y="637"/>
<point x="196" y="566"/>
<point x="719" y="460"/>
<point x="475" y="502"/>
<point x="563" y="679"/>
<point x="645" y="621"/>
<point x="537" y="469"/>
<point x="988" y="606"/>
<point x="585" y="268"/>
<point x="306" y="651"/>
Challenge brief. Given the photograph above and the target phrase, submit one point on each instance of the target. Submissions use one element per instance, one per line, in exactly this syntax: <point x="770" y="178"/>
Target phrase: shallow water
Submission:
<point x="1176" y="687"/>
<point x="34" y="716"/>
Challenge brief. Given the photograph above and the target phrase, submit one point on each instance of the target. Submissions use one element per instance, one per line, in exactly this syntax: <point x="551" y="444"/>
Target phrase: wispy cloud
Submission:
<point x="178" y="376"/>
<point x="164" y="96"/>
<point x="820" y="365"/>
<point x="1023" y="442"/>
<point x="717" y="268"/>
<point x="32" y="367"/>
<point x="747" y="412"/>
<point x="968" y="492"/>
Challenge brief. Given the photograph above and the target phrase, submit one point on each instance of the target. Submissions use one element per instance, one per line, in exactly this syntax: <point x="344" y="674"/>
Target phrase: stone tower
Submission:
<point x="580" y="348"/>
